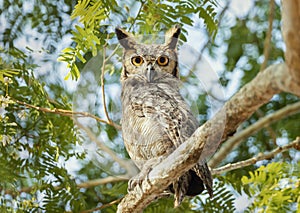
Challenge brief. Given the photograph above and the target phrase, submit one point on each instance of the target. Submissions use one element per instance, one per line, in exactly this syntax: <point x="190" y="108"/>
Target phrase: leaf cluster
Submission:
<point x="92" y="34"/>
<point x="222" y="201"/>
<point x="46" y="16"/>
<point x="274" y="187"/>
<point x="89" y="36"/>
<point x="158" y="15"/>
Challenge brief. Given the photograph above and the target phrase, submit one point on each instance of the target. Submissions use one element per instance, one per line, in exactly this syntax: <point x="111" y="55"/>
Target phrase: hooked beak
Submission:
<point x="150" y="72"/>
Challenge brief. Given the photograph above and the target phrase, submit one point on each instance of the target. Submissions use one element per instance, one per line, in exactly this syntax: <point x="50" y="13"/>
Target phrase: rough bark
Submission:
<point x="291" y="34"/>
<point x="206" y="139"/>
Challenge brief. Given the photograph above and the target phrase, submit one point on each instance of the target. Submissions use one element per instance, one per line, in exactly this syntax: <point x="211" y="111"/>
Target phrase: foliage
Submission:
<point x="36" y="147"/>
<point x="223" y="200"/>
<point x="274" y="187"/>
<point x="46" y="16"/>
<point x="32" y="144"/>
<point x="152" y="16"/>
<point x="166" y="205"/>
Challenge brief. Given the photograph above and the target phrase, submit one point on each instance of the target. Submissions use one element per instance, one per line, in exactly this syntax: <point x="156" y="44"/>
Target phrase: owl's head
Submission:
<point x="150" y="60"/>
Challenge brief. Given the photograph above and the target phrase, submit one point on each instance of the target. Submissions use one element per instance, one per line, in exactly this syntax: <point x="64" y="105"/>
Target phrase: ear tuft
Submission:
<point x="121" y="33"/>
<point x="172" y="35"/>
<point x="125" y="38"/>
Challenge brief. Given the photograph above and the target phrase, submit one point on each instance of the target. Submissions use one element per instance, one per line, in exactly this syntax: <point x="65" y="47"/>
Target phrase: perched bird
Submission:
<point x="155" y="117"/>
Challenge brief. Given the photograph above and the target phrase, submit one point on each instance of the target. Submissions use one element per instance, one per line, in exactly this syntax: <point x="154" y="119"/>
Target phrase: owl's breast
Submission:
<point x="143" y="133"/>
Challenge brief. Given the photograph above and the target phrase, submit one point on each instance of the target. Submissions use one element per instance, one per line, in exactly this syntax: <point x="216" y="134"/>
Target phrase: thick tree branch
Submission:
<point x="295" y="144"/>
<point x="234" y="141"/>
<point x="207" y="138"/>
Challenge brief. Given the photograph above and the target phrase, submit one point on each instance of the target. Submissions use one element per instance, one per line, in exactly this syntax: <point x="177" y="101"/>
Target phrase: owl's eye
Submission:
<point x="137" y="61"/>
<point x="162" y="60"/>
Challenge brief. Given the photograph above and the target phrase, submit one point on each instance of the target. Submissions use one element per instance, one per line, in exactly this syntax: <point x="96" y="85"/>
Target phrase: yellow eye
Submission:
<point x="137" y="61"/>
<point x="162" y="60"/>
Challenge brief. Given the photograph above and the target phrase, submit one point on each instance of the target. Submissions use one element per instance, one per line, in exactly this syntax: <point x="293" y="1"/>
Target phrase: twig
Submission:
<point x="14" y="193"/>
<point x="68" y="113"/>
<point x="102" y="86"/>
<point x="126" y="164"/>
<point x="101" y="181"/>
<point x="267" y="41"/>
<point x="222" y="13"/>
<point x="112" y="53"/>
<point x="295" y="144"/>
<point x="234" y="141"/>
<point x="87" y="184"/>
<point x="271" y="131"/>
<point x="137" y="15"/>
<point x="103" y="206"/>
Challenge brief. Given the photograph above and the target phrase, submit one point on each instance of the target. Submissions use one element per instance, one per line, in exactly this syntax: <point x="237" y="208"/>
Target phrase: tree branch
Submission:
<point x="68" y="113"/>
<point x="102" y="86"/>
<point x="295" y="144"/>
<point x="126" y="164"/>
<point x="234" y="141"/>
<point x="269" y="129"/>
<point x="291" y="35"/>
<point x="101" y="181"/>
<point x="268" y="38"/>
<point x="87" y="184"/>
<point x="103" y="206"/>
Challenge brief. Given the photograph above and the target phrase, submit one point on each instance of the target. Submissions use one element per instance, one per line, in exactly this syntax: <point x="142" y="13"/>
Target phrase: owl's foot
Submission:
<point x="137" y="180"/>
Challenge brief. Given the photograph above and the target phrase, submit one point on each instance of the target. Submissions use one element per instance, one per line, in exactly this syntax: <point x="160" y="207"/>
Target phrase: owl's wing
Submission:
<point x="165" y="108"/>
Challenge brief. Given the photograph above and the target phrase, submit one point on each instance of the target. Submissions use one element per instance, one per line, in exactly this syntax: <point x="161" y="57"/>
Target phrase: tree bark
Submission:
<point x="206" y="139"/>
<point x="291" y="34"/>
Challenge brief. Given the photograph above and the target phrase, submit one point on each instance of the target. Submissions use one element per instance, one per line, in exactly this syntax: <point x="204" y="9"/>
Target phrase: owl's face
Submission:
<point x="151" y="60"/>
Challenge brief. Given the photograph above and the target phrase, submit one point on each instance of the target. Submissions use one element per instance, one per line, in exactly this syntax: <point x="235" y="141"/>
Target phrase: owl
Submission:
<point x="155" y="117"/>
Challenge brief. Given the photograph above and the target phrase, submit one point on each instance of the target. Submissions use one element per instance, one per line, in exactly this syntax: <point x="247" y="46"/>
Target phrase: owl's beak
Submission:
<point x="150" y="72"/>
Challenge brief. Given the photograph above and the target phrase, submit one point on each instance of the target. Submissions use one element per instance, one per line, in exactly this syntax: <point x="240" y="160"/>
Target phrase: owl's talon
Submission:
<point x="132" y="183"/>
<point x="137" y="180"/>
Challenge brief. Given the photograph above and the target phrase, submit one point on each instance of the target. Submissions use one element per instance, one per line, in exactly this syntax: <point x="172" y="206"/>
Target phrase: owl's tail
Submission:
<point x="192" y="183"/>
<point x="203" y="172"/>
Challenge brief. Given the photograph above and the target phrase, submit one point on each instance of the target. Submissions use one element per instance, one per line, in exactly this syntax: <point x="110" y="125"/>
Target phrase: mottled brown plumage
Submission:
<point x="156" y="119"/>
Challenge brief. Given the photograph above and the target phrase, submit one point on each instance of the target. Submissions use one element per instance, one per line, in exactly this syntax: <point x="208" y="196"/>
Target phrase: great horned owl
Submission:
<point x="156" y="119"/>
